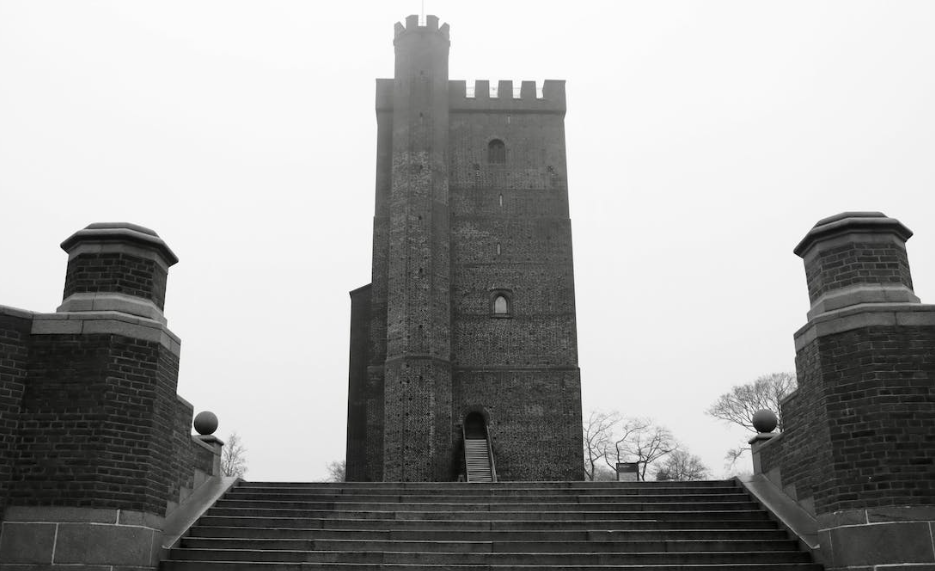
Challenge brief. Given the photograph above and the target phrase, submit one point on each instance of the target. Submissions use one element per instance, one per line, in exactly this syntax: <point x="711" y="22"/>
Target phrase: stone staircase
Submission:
<point x="659" y="526"/>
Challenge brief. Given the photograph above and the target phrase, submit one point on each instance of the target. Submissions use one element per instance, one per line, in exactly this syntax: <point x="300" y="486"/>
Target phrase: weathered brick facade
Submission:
<point x="471" y="204"/>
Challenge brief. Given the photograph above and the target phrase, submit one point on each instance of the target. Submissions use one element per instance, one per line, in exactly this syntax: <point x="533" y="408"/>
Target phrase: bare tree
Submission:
<point x="649" y="444"/>
<point x="598" y="434"/>
<point x="627" y="429"/>
<point x="682" y="466"/>
<point x="611" y="438"/>
<point x="233" y="457"/>
<point x="739" y="405"/>
<point x="337" y="471"/>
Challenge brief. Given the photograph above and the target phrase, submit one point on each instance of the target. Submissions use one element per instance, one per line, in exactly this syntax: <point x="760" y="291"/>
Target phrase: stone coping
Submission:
<point x="112" y="301"/>
<point x="16" y="312"/>
<point x="865" y="315"/>
<point x="106" y="322"/>
<point x="787" y="511"/>
<point x="104" y="232"/>
<point x="184" y="517"/>
<point x="861" y="294"/>
<point x="851" y="222"/>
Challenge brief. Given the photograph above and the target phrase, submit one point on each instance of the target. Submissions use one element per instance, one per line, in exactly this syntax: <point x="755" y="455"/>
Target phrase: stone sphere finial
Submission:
<point x="206" y="422"/>
<point x="765" y="420"/>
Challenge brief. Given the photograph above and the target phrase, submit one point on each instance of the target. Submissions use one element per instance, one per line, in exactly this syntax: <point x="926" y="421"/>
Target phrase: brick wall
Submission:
<point x="511" y="231"/>
<point x="803" y="447"/>
<point x="533" y="420"/>
<point x="117" y="273"/>
<point x="856" y="263"/>
<point x="14" y="349"/>
<point x="184" y="454"/>
<point x="859" y="430"/>
<point x="357" y="397"/>
<point x="880" y="403"/>
<point x="97" y="424"/>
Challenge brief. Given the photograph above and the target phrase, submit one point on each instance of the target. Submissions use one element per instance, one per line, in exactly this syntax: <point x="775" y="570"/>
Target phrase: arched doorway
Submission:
<point x="475" y="427"/>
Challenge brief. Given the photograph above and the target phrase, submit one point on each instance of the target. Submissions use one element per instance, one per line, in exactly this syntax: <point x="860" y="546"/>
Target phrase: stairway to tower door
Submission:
<point x="478" y="455"/>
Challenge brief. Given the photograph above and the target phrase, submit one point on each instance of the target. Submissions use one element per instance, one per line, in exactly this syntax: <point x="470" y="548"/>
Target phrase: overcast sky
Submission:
<point x="704" y="140"/>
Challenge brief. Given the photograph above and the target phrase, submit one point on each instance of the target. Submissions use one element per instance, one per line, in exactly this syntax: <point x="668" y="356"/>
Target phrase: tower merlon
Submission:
<point x="412" y="25"/>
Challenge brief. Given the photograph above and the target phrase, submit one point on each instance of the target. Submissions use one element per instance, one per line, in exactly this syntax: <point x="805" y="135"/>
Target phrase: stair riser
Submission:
<point x="570" y="497"/>
<point x="490" y="546"/>
<point x="492" y="558"/>
<point x="492" y="515"/>
<point x="544" y="486"/>
<point x="505" y="525"/>
<point x="619" y="506"/>
<point x="243" y="566"/>
<point x="467" y="535"/>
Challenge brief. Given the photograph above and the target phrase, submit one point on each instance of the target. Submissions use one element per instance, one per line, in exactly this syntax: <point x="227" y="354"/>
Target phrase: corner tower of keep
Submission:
<point x="471" y="308"/>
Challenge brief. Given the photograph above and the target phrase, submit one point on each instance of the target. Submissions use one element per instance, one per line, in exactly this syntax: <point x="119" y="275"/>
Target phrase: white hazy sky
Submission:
<point x="704" y="140"/>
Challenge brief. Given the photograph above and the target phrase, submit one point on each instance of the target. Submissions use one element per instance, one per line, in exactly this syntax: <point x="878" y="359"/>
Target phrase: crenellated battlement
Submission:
<point x="504" y="97"/>
<point x="480" y="97"/>
<point x="412" y="25"/>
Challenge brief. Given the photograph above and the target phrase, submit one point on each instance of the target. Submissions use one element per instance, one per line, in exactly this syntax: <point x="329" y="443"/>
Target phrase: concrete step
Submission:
<point x="556" y="535"/>
<point x="265" y="506"/>
<point x="505" y="558"/>
<point x="466" y="515"/>
<point x="281" y="566"/>
<point x="761" y="521"/>
<point x="498" y="546"/>
<point x="567" y="497"/>
<point x="499" y="487"/>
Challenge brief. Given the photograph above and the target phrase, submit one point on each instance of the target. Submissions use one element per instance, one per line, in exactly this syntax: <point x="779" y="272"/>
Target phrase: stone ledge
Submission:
<point x="112" y="301"/>
<point x="864" y="315"/>
<point x="106" y="322"/>
<point x="861" y="294"/>
<point x="16" y="312"/>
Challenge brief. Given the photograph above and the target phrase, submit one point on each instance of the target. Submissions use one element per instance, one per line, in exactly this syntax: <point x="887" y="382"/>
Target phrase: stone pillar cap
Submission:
<point x="121" y="232"/>
<point x="849" y="222"/>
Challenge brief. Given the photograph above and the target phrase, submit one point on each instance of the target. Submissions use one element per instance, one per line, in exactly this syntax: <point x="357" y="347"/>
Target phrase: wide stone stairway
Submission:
<point x="509" y="525"/>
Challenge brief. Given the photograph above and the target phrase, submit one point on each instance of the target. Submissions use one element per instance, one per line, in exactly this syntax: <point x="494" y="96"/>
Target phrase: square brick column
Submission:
<point x="866" y="372"/>
<point x="94" y="464"/>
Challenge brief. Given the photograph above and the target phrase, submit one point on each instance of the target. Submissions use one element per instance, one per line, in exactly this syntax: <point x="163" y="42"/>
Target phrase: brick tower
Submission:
<point x="471" y="311"/>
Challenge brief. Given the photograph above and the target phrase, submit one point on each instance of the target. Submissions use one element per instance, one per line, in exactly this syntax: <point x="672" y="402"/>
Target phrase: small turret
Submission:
<point x="117" y="266"/>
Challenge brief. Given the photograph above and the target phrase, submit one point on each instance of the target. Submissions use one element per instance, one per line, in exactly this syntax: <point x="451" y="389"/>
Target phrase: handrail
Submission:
<point x="493" y="469"/>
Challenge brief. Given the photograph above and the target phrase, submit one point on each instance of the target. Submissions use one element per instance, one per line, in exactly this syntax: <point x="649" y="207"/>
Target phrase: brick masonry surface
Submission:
<point x="860" y="428"/>
<point x="116" y="273"/>
<point x="14" y="350"/>
<point x="858" y="263"/>
<point x="97" y="424"/>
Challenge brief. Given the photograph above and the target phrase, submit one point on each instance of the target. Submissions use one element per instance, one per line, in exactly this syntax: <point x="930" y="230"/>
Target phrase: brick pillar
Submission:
<point x="93" y="473"/>
<point x="866" y="362"/>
